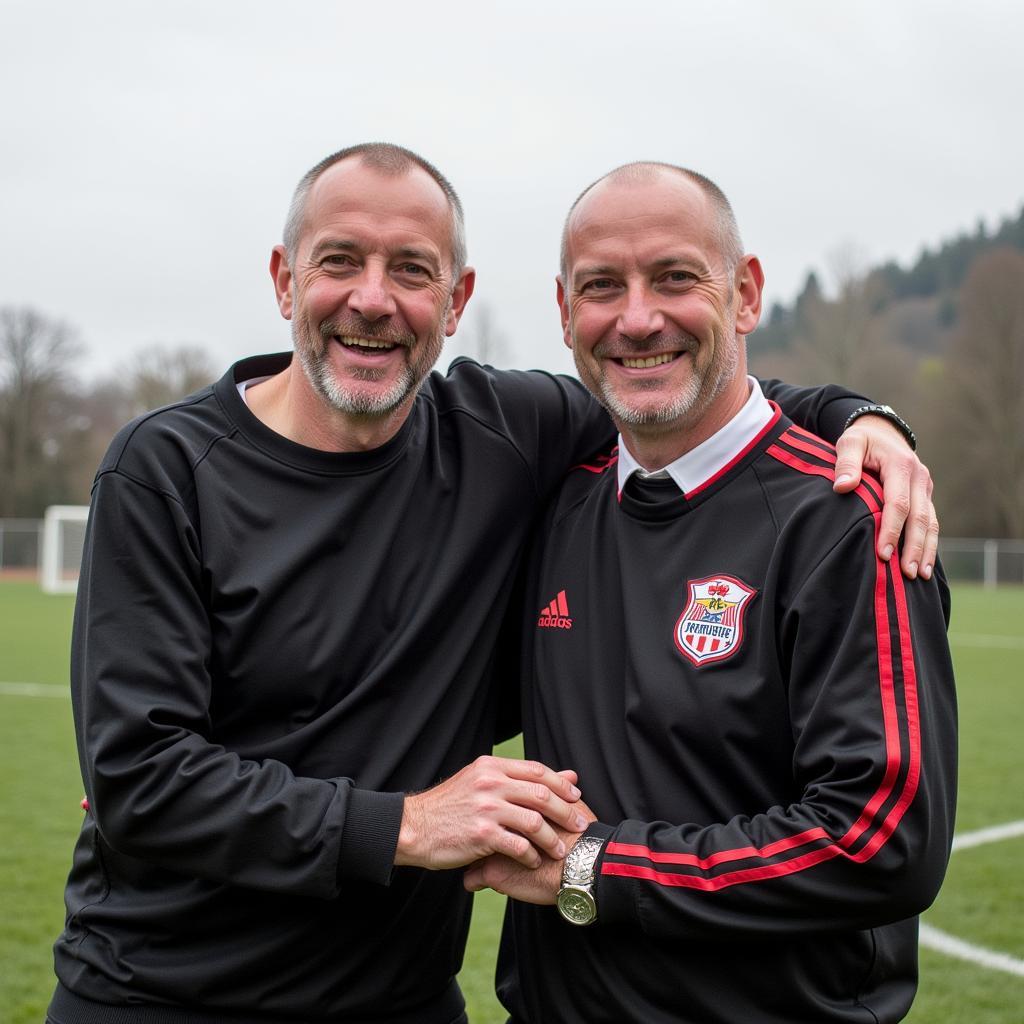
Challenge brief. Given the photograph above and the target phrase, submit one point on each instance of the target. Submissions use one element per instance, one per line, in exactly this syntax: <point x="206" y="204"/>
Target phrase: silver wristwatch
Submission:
<point x="576" y="901"/>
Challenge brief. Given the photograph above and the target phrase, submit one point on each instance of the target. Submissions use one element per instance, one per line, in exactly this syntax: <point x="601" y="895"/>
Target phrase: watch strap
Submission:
<point x="581" y="861"/>
<point x="886" y="412"/>
<point x="576" y="902"/>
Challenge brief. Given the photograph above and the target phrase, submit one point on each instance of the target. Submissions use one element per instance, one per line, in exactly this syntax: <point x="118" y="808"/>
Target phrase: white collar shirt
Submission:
<point x="699" y="465"/>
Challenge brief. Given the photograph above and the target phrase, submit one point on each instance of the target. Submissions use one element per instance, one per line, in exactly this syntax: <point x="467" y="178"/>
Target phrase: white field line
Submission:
<point x="994" y="834"/>
<point x="1010" y="643"/>
<point x="33" y="690"/>
<point x="943" y="943"/>
<point x="938" y="940"/>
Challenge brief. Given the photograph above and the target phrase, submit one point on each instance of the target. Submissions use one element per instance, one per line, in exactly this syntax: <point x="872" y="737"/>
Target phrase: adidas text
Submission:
<point x="555" y="622"/>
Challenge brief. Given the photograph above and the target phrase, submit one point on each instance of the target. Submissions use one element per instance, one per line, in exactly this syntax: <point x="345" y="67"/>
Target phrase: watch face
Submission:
<point x="576" y="905"/>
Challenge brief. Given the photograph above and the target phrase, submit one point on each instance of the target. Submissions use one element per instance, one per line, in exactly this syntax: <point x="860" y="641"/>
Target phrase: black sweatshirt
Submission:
<point x="272" y="645"/>
<point x="763" y="719"/>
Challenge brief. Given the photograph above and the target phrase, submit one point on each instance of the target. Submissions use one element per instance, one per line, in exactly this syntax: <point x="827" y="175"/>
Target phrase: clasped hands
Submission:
<point x="509" y="822"/>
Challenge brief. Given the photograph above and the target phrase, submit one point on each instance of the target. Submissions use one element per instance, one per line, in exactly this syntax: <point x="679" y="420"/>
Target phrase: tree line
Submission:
<point x="54" y="428"/>
<point x="942" y="342"/>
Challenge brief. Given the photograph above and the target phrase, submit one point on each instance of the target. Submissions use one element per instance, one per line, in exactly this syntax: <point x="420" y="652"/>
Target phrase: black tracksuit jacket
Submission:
<point x="272" y="645"/>
<point x="763" y="719"/>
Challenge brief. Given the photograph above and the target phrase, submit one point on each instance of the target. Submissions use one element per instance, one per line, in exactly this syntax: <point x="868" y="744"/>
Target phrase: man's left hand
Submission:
<point x="507" y="876"/>
<point x="528" y="885"/>
<point x="873" y="443"/>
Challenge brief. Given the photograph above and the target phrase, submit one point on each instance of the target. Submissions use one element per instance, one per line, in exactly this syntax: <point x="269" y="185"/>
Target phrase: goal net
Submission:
<point x="61" y="554"/>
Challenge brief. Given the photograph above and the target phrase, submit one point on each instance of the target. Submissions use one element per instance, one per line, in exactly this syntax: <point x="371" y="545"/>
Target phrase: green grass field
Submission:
<point x="981" y="902"/>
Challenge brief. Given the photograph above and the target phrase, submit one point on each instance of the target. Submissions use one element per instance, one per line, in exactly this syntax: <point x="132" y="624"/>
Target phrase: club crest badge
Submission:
<point x="711" y="627"/>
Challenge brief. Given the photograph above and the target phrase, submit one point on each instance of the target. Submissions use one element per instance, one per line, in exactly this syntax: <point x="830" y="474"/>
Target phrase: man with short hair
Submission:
<point x="760" y="710"/>
<point x="285" y="671"/>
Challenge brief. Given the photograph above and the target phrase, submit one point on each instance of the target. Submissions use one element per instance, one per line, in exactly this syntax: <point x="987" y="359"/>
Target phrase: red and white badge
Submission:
<point x="711" y="627"/>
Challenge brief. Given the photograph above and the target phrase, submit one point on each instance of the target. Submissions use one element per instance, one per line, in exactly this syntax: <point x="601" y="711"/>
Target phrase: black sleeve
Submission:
<point x="552" y="419"/>
<point x="160" y="788"/>
<point x="822" y="410"/>
<point x="508" y="671"/>
<point x="866" y="837"/>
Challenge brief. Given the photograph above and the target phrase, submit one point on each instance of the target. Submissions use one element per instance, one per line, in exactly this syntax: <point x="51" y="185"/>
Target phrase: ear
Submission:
<point x="563" y="311"/>
<point x="460" y="296"/>
<point x="749" y="288"/>
<point x="282" y="275"/>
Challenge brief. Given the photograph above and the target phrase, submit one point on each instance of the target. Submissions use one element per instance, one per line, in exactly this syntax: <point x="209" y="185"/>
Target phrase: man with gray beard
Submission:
<point x="760" y="709"/>
<point x="287" y="672"/>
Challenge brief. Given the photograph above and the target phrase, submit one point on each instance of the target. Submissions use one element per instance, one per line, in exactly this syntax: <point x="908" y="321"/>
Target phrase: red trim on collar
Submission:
<point x="754" y="441"/>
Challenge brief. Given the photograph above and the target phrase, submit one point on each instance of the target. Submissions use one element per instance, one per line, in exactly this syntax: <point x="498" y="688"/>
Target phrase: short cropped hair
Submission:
<point x="388" y="159"/>
<point x="639" y="170"/>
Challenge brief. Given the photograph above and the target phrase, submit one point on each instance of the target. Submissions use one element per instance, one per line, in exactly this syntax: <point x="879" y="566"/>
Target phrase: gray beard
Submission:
<point x="318" y="371"/>
<point x="617" y="406"/>
<point x="312" y="353"/>
<point x="690" y="404"/>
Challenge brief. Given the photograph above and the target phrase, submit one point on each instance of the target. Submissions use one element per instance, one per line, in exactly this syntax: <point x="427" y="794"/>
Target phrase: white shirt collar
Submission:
<point x="244" y="385"/>
<point x="700" y="464"/>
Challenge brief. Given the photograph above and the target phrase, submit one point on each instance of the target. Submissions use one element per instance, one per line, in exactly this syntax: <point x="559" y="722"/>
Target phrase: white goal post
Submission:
<point x="61" y="554"/>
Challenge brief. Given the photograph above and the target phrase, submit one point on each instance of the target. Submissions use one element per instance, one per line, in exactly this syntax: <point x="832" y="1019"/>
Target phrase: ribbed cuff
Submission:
<point x="599" y="830"/>
<point x="370" y="838"/>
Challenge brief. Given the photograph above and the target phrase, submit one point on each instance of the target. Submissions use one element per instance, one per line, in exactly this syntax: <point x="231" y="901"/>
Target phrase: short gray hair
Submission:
<point x="388" y="159"/>
<point x="641" y="170"/>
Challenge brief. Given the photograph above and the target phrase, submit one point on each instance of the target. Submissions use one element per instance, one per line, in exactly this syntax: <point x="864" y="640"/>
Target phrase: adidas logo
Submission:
<point x="556" y="614"/>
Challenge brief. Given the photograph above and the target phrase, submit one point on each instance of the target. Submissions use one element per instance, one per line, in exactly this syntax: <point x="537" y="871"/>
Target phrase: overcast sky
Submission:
<point x="149" y="151"/>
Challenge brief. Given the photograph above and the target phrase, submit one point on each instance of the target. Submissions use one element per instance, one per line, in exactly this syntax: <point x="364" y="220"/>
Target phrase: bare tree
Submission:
<point x="842" y="340"/>
<point x="36" y="355"/>
<point x="982" y="458"/>
<point x="92" y="415"/>
<point x="163" y="374"/>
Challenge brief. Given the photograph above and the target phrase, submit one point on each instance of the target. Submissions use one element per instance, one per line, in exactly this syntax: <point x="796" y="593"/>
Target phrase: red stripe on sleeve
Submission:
<point x="812" y="449"/>
<point x="807" y="435"/>
<point x="726" y="880"/>
<point x="887" y="688"/>
<point x="723" y="857"/>
<point x="801" y="439"/>
<point x="884" y="576"/>
<point x="795" y="462"/>
<point x="910" y="700"/>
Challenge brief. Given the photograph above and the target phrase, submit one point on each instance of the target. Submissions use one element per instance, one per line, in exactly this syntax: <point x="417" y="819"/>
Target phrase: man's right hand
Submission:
<point x="494" y="805"/>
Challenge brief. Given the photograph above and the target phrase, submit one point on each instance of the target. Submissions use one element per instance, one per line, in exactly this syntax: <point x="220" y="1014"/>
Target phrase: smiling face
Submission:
<point x="369" y="288"/>
<point x="652" y="308"/>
